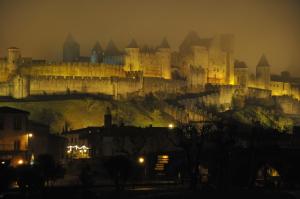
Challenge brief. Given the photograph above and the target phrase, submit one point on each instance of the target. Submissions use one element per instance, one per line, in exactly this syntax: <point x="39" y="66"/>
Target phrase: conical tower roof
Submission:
<point x="70" y="38"/>
<point x="132" y="44"/>
<point x="97" y="47"/>
<point x="111" y="49"/>
<point x="263" y="61"/>
<point x="240" y="64"/>
<point x="191" y="38"/>
<point x="164" y="43"/>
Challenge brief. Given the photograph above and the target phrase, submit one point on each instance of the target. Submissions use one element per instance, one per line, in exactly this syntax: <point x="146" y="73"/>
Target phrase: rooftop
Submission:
<point x="132" y="44"/>
<point x="263" y="61"/>
<point x="6" y="109"/>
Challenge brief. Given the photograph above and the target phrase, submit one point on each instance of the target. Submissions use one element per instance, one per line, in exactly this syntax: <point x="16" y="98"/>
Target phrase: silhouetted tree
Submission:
<point x="191" y="140"/>
<point x="51" y="171"/>
<point x="86" y="176"/>
<point x="119" y="169"/>
<point x="29" y="178"/>
<point x="7" y="176"/>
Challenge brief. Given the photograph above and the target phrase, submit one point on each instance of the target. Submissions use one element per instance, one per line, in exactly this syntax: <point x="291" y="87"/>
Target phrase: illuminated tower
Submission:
<point x="263" y="73"/>
<point x="241" y="73"/>
<point x="164" y="56"/>
<point x="71" y="50"/>
<point x="20" y="88"/>
<point x="97" y="53"/>
<point x="132" y="57"/>
<point x="227" y="46"/>
<point x="13" y="58"/>
<point x="107" y="118"/>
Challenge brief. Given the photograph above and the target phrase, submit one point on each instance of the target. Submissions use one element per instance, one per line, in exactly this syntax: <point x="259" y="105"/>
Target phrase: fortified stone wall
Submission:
<point x="288" y="104"/>
<point x="163" y="85"/>
<point x="296" y="92"/>
<point x="150" y="64"/>
<point x="280" y="88"/>
<point x="226" y="94"/>
<point x="4" y="89"/>
<point x="258" y="93"/>
<point x="222" y="97"/>
<point x="196" y="78"/>
<point x="74" y="70"/>
<point x="94" y="85"/>
<point x="4" y="72"/>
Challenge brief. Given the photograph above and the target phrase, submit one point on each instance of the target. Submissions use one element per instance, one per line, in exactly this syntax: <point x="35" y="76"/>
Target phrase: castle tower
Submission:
<point x="112" y="55"/>
<point x="97" y="53"/>
<point x="241" y="73"/>
<point x="71" y="50"/>
<point x="164" y="57"/>
<point x="132" y="57"/>
<point x="20" y="88"/>
<point x="107" y="118"/>
<point x="13" y="58"/>
<point x="263" y="73"/>
<point x="227" y="46"/>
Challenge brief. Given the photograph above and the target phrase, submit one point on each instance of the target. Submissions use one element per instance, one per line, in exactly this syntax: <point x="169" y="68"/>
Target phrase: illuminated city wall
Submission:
<point x="74" y="70"/>
<point x="158" y="84"/>
<point x="95" y="85"/>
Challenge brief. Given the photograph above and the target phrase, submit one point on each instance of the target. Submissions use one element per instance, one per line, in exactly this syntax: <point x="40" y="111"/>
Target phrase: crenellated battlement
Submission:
<point x="74" y="70"/>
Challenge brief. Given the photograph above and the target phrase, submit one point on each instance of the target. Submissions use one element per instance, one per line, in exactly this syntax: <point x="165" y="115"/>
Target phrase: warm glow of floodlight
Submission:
<point x="170" y="126"/>
<point x="141" y="160"/>
<point x="20" y="161"/>
<point x="30" y="135"/>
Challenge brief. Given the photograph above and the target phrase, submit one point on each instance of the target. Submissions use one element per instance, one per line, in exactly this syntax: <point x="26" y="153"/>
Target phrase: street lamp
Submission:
<point x="30" y="156"/>
<point x="141" y="160"/>
<point x="171" y="126"/>
<point x="20" y="161"/>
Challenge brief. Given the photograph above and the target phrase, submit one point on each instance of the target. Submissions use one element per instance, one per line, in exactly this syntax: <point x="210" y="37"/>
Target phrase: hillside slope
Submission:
<point x="79" y="113"/>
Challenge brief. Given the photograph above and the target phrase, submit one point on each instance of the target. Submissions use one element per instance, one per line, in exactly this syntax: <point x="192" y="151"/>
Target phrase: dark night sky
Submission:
<point x="39" y="27"/>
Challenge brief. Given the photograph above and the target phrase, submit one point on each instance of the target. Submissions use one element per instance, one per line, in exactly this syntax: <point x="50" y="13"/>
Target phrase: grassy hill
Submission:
<point x="79" y="113"/>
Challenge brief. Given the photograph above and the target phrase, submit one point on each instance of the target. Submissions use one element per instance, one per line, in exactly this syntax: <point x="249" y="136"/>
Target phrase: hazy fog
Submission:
<point x="39" y="27"/>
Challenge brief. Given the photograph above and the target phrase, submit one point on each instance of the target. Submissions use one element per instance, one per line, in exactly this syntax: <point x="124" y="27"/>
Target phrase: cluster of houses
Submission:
<point x="22" y="140"/>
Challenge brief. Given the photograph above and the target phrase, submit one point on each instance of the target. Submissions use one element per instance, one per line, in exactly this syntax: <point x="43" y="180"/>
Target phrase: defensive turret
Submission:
<point x="97" y="53"/>
<point x="164" y="55"/>
<point x="132" y="57"/>
<point x="263" y="73"/>
<point x="13" y="58"/>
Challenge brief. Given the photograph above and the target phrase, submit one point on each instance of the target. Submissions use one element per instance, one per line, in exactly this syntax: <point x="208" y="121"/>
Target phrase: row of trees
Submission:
<point x="232" y="157"/>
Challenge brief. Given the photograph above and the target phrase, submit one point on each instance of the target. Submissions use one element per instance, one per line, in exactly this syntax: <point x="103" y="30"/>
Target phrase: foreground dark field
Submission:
<point x="149" y="192"/>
